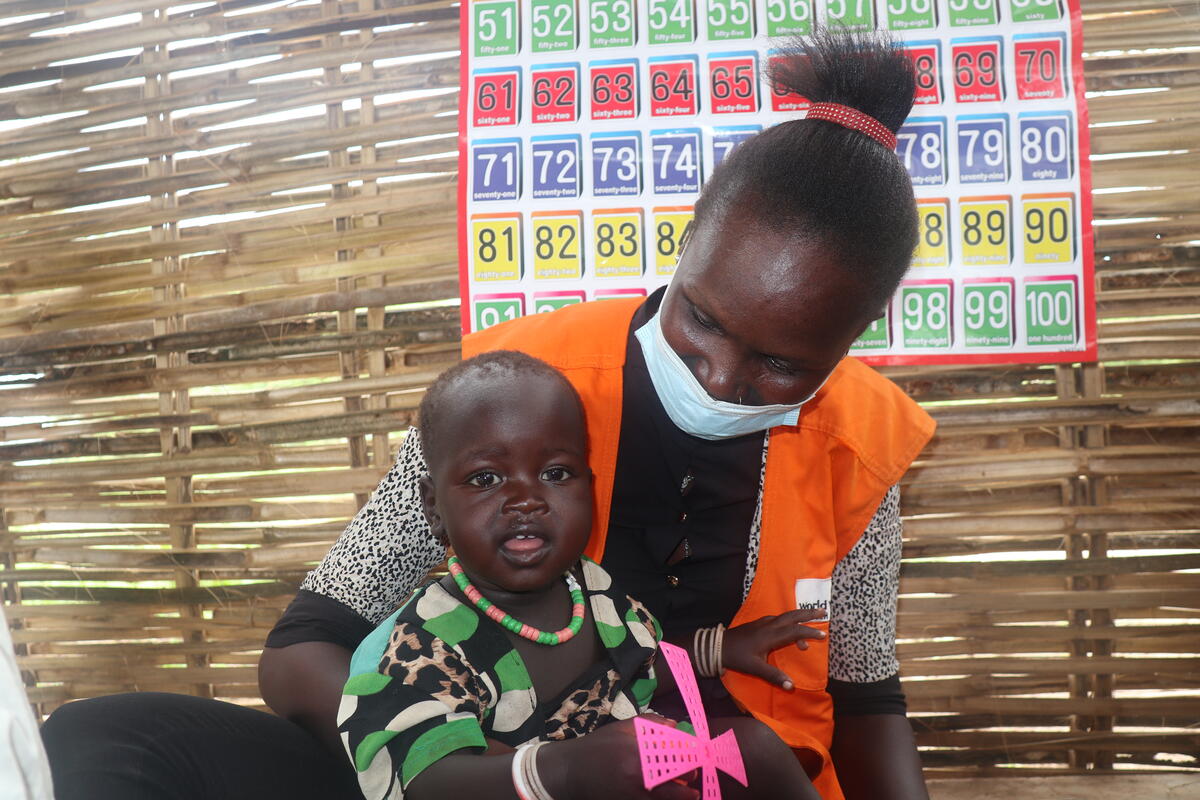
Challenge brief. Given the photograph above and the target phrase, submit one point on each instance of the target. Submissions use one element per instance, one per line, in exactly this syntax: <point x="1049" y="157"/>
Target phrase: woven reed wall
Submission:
<point x="192" y="405"/>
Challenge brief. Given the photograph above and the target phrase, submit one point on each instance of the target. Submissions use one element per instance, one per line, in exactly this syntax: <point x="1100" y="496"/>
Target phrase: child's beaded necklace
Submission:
<point x="512" y="623"/>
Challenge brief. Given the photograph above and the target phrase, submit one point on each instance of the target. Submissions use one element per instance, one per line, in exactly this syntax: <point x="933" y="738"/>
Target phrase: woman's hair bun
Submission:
<point x="866" y="71"/>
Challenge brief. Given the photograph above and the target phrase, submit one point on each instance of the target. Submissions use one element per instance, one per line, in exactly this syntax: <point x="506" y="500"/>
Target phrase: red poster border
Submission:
<point x="1086" y="240"/>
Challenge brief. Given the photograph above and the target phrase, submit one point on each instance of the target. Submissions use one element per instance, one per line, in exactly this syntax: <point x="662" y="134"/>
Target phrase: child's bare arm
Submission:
<point x="599" y="766"/>
<point x="772" y="770"/>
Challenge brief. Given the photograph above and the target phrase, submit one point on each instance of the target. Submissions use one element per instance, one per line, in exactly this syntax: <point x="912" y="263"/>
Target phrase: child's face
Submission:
<point x="512" y="490"/>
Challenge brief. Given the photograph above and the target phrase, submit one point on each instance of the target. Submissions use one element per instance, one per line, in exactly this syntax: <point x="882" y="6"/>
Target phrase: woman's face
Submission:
<point x="761" y="317"/>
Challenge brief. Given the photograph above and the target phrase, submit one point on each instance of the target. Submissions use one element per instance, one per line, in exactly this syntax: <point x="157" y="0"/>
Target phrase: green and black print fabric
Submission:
<point x="439" y="676"/>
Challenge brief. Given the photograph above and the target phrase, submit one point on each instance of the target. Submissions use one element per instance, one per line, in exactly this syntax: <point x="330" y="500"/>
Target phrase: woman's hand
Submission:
<point x="747" y="646"/>
<point x="605" y="764"/>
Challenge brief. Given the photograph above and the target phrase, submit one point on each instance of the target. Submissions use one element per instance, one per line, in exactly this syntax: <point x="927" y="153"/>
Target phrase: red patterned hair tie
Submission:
<point x="855" y="120"/>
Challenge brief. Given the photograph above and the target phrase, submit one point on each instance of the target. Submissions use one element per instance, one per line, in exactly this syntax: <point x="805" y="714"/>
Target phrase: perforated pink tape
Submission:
<point x="667" y="753"/>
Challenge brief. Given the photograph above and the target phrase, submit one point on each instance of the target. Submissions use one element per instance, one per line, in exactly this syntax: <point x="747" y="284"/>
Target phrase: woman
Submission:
<point x="719" y="500"/>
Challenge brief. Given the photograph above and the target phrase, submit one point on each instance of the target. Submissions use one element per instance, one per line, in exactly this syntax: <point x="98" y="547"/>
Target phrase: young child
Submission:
<point x="525" y="642"/>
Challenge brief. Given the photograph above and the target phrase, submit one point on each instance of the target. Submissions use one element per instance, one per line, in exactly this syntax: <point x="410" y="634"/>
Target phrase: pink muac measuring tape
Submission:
<point x="667" y="753"/>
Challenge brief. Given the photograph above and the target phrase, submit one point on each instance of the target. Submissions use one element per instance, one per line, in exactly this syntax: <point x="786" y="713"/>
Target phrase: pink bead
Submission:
<point x="528" y="632"/>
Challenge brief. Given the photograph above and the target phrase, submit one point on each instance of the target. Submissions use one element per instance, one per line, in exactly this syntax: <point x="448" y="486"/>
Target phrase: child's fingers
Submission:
<point x="674" y="791"/>
<point x="783" y="634"/>
<point x="769" y="673"/>
<point x="659" y="718"/>
<point x="798" y="615"/>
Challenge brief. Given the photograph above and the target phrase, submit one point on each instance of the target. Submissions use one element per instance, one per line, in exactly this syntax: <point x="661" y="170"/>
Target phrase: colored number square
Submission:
<point x="733" y="82"/>
<point x="911" y="15"/>
<point x="617" y="243"/>
<point x="724" y="140"/>
<point x="671" y="21"/>
<point x="675" y="161"/>
<point x="612" y="23"/>
<point x="496" y="247"/>
<point x="850" y="15"/>
<point x="783" y="99"/>
<point x="927" y="59"/>
<point x="673" y="87"/>
<point x="554" y="26"/>
<point x="987" y="312"/>
<point x="1049" y="223"/>
<point x="925" y="314"/>
<point x="978" y="73"/>
<point x="669" y="225"/>
<point x="492" y="309"/>
<point x="614" y="86"/>
<point x="789" y="17"/>
<point x="1039" y="62"/>
<point x="555" y="93"/>
<point x="877" y="336"/>
<point x="966" y="13"/>
<point x="555" y="163"/>
<point x="545" y="302"/>
<point x="730" y="19"/>
<point x="1047" y="146"/>
<point x="921" y="145"/>
<point x="616" y="164"/>
<point x="557" y="244"/>
<point x="933" y="246"/>
<point x="1051" y="310"/>
<point x="984" y="222"/>
<point x="495" y="169"/>
<point x="497" y="96"/>
<point x="495" y="29"/>
<point x="1034" y="10"/>
<point x="983" y="149"/>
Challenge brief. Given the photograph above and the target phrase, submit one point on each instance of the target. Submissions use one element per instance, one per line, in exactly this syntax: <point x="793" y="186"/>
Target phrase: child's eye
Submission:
<point x="483" y="480"/>
<point x="556" y="474"/>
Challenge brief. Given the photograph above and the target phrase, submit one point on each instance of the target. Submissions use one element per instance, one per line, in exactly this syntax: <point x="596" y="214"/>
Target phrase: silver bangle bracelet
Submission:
<point x="707" y="650"/>
<point x="525" y="778"/>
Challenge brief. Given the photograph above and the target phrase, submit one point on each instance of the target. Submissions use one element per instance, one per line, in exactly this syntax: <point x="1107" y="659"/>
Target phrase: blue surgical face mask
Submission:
<point x="693" y="410"/>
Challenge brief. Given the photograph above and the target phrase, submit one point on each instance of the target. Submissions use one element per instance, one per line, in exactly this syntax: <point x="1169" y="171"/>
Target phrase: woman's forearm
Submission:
<point x="303" y="683"/>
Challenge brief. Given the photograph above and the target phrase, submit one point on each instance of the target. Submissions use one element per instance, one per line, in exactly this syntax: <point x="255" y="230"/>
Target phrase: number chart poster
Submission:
<point x="587" y="128"/>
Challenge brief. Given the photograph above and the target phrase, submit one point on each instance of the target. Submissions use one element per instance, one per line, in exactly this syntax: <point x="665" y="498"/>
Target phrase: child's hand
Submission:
<point x="747" y="646"/>
<point x="604" y="764"/>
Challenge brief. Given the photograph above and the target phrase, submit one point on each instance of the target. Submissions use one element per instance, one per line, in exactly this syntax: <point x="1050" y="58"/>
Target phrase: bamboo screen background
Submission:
<point x="227" y="268"/>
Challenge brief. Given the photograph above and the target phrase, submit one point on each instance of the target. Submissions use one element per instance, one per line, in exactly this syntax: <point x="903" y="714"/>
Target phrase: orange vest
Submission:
<point x="825" y="478"/>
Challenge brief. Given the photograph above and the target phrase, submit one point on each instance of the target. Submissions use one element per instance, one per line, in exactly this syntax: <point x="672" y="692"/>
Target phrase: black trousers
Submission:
<point x="156" y="746"/>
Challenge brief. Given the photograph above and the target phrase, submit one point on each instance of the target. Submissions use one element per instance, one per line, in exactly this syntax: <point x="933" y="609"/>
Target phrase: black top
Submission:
<point x="682" y="507"/>
<point x="678" y="536"/>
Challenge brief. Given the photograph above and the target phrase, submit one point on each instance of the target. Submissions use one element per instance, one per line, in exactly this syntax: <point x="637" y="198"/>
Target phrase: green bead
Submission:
<point x="513" y="624"/>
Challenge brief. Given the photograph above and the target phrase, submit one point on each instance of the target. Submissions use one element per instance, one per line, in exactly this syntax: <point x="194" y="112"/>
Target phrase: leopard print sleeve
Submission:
<point x="862" y="623"/>
<point x="387" y="550"/>
<point x="423" y="702"/>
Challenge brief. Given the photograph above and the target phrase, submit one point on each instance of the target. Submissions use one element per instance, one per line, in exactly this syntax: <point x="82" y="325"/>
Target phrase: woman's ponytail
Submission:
<point x="864" y="71"/>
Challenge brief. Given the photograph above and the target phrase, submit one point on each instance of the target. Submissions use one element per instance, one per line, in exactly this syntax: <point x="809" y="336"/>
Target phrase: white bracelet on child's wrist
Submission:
<point x="707" y="651"/>
<point x="525" y="778"/>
